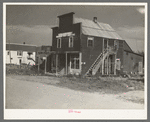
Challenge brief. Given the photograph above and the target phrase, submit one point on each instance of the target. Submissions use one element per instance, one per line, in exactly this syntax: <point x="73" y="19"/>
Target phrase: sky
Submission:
<point x="32" y="23"/>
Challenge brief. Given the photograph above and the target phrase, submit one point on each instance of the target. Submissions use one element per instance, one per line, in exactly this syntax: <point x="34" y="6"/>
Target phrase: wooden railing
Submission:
<point x="95" y="66"/>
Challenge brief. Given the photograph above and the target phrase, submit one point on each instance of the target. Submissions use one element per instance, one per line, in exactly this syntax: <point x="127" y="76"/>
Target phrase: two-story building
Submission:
<point x="82" y="46"/>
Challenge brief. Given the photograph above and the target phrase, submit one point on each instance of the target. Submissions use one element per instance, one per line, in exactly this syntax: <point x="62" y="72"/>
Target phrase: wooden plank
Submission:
<point x="103" y="59"/>
<point x="66" y="64"/>
<point x="45" y="64"/>
<point x="115" y="66"/>
<point x="80" y="60"/>
<point x="107" y="57"/>
<point x="72" y="51"/>
<point x="107" y="65"/>
<point x="56" y="62"/>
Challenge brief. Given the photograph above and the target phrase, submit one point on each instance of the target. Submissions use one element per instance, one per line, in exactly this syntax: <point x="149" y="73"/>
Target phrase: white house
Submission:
<point x="20" y="53"/>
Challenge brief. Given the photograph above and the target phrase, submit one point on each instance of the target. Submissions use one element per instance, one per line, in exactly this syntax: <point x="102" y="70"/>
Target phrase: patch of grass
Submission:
<point x="110" y="85"/>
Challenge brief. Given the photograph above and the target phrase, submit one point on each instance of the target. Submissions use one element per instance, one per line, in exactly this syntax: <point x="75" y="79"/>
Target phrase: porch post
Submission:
<point x="56" y="62"/>
<point x="80" y="60"/>
<point x="107" y="57"/>
<point x="38" y="63"/>
<point x="115" y="66"/>
<point x="107" y="65"/>
<point x="66" y="64"/>
<point x="103" y="59"/>
<point x="45" y="64"/>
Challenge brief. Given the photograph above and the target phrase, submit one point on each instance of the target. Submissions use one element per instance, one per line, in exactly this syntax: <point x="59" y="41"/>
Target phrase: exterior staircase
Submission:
<point x="98" y="62"/>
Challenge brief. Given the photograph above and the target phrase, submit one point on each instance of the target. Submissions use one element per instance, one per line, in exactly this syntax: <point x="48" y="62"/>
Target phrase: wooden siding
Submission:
<point x="131" y="61"/>
<point x="65" y="40"/>
<point x="65" y="23"/>
<point x="54" y="41"/>
<point x="120" y="55"/>
<point x="90" y="54"/>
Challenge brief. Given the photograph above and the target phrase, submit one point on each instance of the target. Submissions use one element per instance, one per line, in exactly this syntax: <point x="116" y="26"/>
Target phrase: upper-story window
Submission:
<point x="58" y="42"/>
<point x="116" y="44"/>
<point x="90" y="42"/>
<point x="71" y="41"/>
<point x="19" y="53"/>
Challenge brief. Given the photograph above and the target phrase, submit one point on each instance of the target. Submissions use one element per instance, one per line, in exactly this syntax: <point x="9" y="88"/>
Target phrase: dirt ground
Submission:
<point x="29" y="90"/>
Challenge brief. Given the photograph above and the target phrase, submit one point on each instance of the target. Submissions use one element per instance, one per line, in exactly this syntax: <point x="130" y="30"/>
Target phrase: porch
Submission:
<point x="65" y="63"/>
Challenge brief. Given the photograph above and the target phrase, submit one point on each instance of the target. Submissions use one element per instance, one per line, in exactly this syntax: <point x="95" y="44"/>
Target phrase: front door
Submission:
<point x="20" y="61"/>
<point x="74" y="63"/>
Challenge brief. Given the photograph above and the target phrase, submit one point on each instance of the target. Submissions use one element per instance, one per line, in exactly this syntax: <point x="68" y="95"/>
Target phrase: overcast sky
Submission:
<point x="32" y="23"/>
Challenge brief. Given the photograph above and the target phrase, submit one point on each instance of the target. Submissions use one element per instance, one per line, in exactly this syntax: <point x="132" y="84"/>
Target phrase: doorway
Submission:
<point x="20" y="61"/>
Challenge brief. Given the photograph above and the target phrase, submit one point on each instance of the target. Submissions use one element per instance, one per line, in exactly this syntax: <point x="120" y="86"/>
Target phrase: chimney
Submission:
<point x="95" y="19"/>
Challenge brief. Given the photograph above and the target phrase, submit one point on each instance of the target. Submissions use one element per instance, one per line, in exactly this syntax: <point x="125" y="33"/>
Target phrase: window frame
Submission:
<point x="20" y="53"/>
<point x="116" y="43"/>
<point x="90" y="39"/>
<point x="58" y="46"/>
<point x="71" y="37"/>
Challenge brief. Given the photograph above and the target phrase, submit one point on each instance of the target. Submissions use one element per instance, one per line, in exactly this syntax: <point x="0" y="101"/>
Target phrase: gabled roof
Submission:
<point x="97" y="29"/>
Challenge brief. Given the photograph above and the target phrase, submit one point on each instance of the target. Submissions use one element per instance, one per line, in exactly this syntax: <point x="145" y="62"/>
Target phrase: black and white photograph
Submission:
<point x="75" y="60"/>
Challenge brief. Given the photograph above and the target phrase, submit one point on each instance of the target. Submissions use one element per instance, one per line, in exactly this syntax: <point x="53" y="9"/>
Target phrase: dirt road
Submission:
<point x="35" y="93"/>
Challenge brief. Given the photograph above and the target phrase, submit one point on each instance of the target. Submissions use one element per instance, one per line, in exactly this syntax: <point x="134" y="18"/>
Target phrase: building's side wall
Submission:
<point x="131" y="62"/>
<point x="120" y="56"/>
<point x="15" y="58"/>
<point x="65" y="40"/>
<point x="90" y="54"/>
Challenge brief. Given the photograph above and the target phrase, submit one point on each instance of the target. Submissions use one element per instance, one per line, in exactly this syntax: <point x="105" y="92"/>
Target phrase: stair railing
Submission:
<point x="100" y="57"/>
<point x="96" y="61"/>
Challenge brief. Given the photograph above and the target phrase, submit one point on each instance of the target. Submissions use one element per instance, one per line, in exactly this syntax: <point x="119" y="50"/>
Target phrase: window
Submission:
<point x="90" y="42"/>
<point x="8" y="53"/>
<point x="59" y="43"/>
<point x="116" y="44"/>
<point x="74" y="61"/>
<point x="19" y="53"/>
<point x="30" y="53"/>
<point x="71" y="41"/>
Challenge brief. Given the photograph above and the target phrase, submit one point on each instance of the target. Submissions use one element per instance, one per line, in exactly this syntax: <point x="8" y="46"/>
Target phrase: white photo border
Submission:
<point x="10" y="114"/>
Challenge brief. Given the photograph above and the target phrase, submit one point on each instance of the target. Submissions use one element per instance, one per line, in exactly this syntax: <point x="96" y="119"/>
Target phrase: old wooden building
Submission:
<point x="88" y="47"/>
<point x="20" y="53"/>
